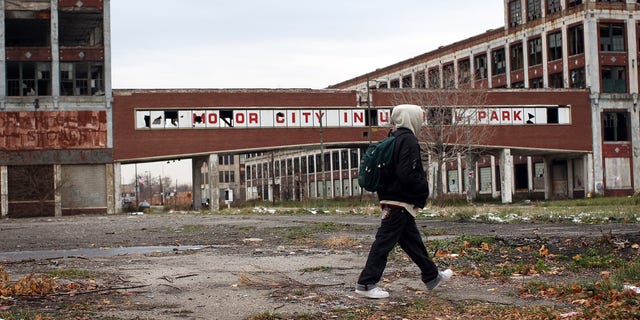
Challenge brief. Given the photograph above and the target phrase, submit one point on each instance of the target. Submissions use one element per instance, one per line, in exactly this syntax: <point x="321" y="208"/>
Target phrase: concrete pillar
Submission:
<point x="460" y="175"/>
<point x="588" y="174"/>
<point x="4" y="191"/>
<point x="596" y="133"/>
<point x="197" y="177"/>
<point x="635" y="141"/>
<point x="494" y="181"/>
<point x="570" y="178"/>
<point x="548" y="181"/>
<point x="214" y="179"/>
<point x="113" y="188"/>
<point x="57" y="190"/>
<point x="55" y="53"/>
<point x="506" y="175"/>
<point x="117" y="182"/>
<point x="3" y="65"/>
<point x="529" y="173"/>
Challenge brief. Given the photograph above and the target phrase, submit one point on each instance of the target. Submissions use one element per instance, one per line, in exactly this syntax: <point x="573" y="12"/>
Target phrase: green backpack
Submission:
<point x="377" y="157"/>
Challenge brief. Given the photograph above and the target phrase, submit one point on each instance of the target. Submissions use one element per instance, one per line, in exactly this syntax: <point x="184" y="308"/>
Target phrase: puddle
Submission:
<point x="91" y="252"/>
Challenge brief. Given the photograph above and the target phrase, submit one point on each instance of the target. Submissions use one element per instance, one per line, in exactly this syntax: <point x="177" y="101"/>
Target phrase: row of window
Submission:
<point x="74" y="30"/>
<point x="34" y="78"/>
<point x="534" y="9"/>
<point x="345" y="159"/>
<point x="612" y="39"/>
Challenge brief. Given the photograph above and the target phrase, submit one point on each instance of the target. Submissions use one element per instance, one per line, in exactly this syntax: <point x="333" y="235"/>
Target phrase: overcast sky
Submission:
<point x="280" y="43"/>
<point x="277" y="43"/>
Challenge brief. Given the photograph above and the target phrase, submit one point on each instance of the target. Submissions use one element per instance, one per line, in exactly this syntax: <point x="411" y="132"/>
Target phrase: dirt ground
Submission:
<point x="199" y="266"/>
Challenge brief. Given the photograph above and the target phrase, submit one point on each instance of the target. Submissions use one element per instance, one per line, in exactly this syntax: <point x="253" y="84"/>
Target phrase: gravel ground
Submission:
<point x="198" y="266"/>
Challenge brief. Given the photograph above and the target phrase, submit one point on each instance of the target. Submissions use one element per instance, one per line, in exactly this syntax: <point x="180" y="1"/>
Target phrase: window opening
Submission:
<point x="612" y="37"/>
<point x="535" y="51"/>
<point x="498" y="65"/>
<point x="614" y="79"/>
<point x="517" y="60"/>
<point x="555" y="46"/>
<point x="616" y="126"/>
<point x="576" y="40"/>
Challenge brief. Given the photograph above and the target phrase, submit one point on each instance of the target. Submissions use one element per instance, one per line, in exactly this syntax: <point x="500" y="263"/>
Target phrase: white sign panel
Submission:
<point x="337" y="118"/>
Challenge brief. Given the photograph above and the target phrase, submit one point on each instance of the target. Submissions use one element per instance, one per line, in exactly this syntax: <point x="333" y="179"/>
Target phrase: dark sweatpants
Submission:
<point x="399" y="226"/>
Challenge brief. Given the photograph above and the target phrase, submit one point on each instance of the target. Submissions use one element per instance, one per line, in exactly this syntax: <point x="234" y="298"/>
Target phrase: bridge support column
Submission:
<point x="57" y="196"/>
<point x="494" y="181"/>
<point x="506" y="176"/>
<point x="548" y="182"/>
<point x="4" y="191"/>
<point x="205" y="183"/>
<point x="570" y="178"/>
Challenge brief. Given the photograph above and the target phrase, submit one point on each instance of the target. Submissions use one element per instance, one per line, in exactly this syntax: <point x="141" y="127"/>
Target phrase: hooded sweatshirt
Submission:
<point x="406" y="184"/>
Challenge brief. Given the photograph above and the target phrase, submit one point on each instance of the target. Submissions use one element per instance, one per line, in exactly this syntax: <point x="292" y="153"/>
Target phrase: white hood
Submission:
<point x="408" y="116"/>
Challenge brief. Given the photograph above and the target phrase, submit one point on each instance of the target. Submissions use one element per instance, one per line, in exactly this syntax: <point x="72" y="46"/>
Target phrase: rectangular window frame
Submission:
<point x="612" y="37"/>
<point x="576" y="40"/>
<point x="554" y="46"/>
<point x="480" y="66"/>
<point x="534" y="50"/>
<point x="614" y="79"/>
<point x="498" y="62"/>
<point x="534" y="9"/>
<point x="516" y="56"/>
<point x="616" y="126"/>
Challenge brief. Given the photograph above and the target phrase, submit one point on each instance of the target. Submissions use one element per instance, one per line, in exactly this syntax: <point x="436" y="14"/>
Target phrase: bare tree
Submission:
<point x="451" y="131"/>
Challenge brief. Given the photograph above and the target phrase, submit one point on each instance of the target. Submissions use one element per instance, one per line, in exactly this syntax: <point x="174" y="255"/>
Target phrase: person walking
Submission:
<point x="404" y="191"/>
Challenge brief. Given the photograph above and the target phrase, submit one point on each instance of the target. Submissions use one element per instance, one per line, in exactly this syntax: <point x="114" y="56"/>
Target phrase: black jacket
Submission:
<point x="406" y="181"/>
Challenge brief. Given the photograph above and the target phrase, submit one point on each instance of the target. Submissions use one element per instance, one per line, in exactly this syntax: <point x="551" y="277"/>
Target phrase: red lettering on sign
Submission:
<point x="494" y="116"/>
<point x="240" y="118"/>
<point x="293" y="117"/>
<point x="253" y="117"/>
<point x="212" y="118"/>
<point x="506" y="115"/>
<point x="384" y="117"/>
<point x="280" y="118"/>
<point x="482" y="115"/>
<point x="358" y="117"/>
<point x="306" y="115"/>
<point x="517" y="115"/>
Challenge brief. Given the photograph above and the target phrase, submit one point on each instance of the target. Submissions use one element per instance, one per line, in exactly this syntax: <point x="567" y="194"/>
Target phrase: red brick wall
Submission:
<point x="130" y="143"/>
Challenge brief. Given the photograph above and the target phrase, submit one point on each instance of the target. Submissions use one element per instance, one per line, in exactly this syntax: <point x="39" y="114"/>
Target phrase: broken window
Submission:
<point x="576" y="40"/>
<point x="434" y="78"/>
<point x="407" y="81"/>
<point x="535" y="51"/>
<point x="421" y="80"/>
<point x="480" y="63"/>
<point x="612" y="37"/>
<point x="449" y="76"/>
<point x="616" y="126"/>
<point x="614" y="79"/>
<point x="28" y="79"/>
<point x="515" y="13"/>
<point x="553" y="6"/>
<point x="517" y="62"/>
<point x="464" y="71"/>
<point x="28" y="32"/>
<point x="498" y="63"/>
<point x="555" y="46"/>
<point x="534" y="10"/>
<point x="81" y="79"/>
<point x="555" y="80"/>
<point x="578" y="79"/>
<point x="536" y="83"/>
<point x="80" y="29"/>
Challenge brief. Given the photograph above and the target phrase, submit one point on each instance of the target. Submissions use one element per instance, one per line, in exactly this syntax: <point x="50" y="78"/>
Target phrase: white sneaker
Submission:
<point x="442" y="277"/>
<point x="375" y="293"/>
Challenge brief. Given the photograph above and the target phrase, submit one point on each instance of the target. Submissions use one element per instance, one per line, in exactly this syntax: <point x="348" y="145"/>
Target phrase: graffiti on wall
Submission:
<point x="47" y="130"/>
